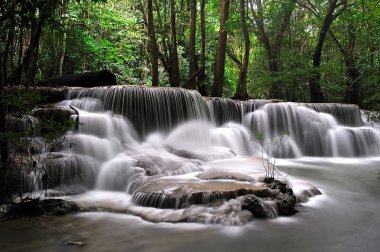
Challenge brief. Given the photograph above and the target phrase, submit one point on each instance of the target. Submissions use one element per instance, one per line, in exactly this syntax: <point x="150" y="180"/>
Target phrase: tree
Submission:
<point x="202" y="74"/>
<point x="288" y="48"/>
<point x="168" y="52"/>
<point x="241" y="87"/>
<point x="220" y="59"/>
<point x="192" y="83"/>
<point x="334" y="9"/>
<point x="152" y="37"/>
<point x="352" y="71"/>
<point x="175" y="78"/>
<point x="273" y="46"/>
<point x="63" y="43"/>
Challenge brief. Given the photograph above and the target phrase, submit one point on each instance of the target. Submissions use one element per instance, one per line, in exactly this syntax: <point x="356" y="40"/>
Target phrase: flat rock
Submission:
<point x="180" y="193"/>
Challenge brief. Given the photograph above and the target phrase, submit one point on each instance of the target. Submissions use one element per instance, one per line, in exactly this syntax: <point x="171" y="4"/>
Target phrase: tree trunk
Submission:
<point x="316" y="94"/>
<point x="220" y="59"/>
<point x="274" y="59"/>
<point x="4" y="56"/>
<point x="25" y="73"/>
<point x="174" y="77"/>
<point x="202" y="76"/>
<point x="353" y="73"/>
<point x="164" y="47"/>
<point x="3" y="140"/>
<point x="192" y="84"/>
<point x="241" y="89"/>
<point x="353" y="84"/>
<point x="21" y="46"/>
<point x="273" y="49"/>
<point x="63" y="43"/>
<point x="154" y="50"/>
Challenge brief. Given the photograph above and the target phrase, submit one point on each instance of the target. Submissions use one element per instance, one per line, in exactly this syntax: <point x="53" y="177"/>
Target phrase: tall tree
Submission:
<point x="334" y="9"/>
<point x="352" y="72"/>
<point x="202" y="75"/>
<point x="38" y="14"/>
<point x="64" y="37"/>
<point x="153" y="43"/>
<point x="220" y="59"/>
<point x="168" y="51"/>
<point x="175" y="78"/>
<point x="241" y="87"/>
<point x="192" y="83"/>
<point x="272" y="46"/>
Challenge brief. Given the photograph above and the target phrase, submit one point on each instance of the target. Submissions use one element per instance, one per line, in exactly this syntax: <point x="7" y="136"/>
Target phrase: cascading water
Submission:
<point x="181" y="136"/>
<point x="346" y="114"/>
<point x="315" y="133"/>
<point x="149" y="109"/>
<point x="169" y="155"/>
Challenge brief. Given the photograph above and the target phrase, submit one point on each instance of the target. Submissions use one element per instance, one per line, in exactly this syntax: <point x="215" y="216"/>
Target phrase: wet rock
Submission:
<point x="166" y="165"/>
<point x="50" y="94"/>
<point x="18" y="123"/>
<point x="306" y="194"/>
<point x="226" y="213"/>
<point x="169" y="193"/>
<point x="58" y="207"/>
<point x="286" y="204"/>
<point x="74" y="243"/>
<point x="34" y="207"/>
<point x="255" y="205"/>
<point x="64" y="169"/>
<point x="53" y="113"/>
<point x="282" y="187"/>
<point x="212" y="175"/>
<point x="17" y="179"/>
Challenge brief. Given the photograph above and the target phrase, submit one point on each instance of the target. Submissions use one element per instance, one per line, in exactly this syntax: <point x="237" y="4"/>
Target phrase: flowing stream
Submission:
<point x="160" y="169"/>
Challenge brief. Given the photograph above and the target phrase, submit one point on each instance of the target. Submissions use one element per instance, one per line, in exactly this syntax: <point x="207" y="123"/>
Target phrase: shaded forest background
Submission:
<point x="296" y="50"/>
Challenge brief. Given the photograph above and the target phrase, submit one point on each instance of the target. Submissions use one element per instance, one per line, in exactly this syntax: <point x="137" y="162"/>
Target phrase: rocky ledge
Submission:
<point x="34" y="207"/>
<point x="223" y="197"/>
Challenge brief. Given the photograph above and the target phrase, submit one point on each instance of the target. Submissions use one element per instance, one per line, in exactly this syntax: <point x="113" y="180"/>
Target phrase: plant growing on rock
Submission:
<point x="269" y="152"/>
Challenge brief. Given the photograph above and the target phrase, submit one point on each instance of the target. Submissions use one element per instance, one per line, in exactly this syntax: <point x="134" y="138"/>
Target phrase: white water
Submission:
<point x="344" y="218"/>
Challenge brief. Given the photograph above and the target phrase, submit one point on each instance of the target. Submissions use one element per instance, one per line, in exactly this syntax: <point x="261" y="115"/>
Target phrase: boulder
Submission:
<point x="86" y="79"/>
<point x="34" y="207"/>
<point x="255" y="205"/>
<point x="286" y="204"/>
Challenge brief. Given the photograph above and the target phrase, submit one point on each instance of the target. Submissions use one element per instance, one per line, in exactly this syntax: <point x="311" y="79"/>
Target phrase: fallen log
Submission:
<point x="86" y="79"/>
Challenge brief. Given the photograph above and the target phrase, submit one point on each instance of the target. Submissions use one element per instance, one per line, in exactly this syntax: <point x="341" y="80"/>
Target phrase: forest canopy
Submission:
<point x="295" y="50"/>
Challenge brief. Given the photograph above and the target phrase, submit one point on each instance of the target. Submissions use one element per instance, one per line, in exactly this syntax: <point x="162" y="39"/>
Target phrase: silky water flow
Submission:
<point x="163" y="169"/>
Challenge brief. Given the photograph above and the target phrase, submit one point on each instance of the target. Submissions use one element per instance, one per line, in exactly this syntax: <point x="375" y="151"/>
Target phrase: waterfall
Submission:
<point x="346" y="114"/>
<point x="172" y="148"/>
<point x="312" y="129"/>
<point x="148" y="109"/>
<point x="314" y="133"/>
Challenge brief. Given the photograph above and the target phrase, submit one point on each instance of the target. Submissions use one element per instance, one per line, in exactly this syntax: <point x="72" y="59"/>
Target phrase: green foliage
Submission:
<point x="111" y="35"/>
<point x="371" y="95"/>
<point x="20" y="101"/>
<point x="52" y="131"/>
<point x="19" y="104"/>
